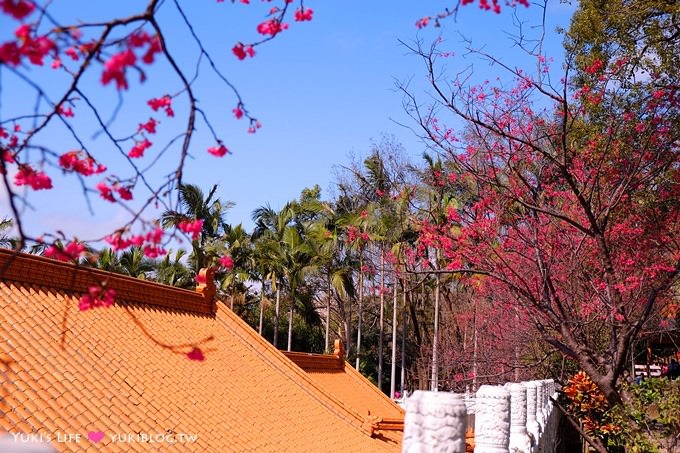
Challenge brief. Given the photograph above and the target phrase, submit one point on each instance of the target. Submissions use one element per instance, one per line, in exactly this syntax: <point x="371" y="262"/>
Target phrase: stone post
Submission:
<point x="492" y="420"/>
<point x="552" y="394"/>
<point x="435" y="422"/>
<point x="540" y="404"/>
<point x="551" y="417"/>
<point x="519" y="438"/>
<point x="533" y="427"/>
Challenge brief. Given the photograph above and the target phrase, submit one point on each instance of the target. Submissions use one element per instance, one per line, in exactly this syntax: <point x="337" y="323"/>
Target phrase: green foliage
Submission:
<point x="648" y="421"/>
<point x="644" y="34"/>
<point x="654" y="408"/>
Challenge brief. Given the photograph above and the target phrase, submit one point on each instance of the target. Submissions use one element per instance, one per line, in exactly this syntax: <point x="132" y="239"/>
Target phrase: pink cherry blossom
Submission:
<point x="218" y="151"/>
<point x="27" y="176"/>
<point x="227" y="262"/>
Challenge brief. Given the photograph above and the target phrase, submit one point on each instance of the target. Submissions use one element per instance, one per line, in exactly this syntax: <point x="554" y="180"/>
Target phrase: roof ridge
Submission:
<point x="350" y="415"/>
<point x="353" y="372"/>
<point x="37" y="270"/>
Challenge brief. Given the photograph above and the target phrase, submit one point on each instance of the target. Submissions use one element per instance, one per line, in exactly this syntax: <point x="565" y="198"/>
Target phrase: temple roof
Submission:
<point x="122" y="372"/>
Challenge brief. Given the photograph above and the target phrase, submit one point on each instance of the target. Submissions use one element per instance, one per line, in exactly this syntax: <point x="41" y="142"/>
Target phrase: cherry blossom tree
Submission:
<point x="570" y="215"/>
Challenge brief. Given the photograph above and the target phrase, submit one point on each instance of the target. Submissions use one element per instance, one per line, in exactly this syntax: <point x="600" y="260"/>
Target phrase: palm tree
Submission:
<point x="326" y="233"/>
<point x="237" y="244"/>
<point x="298" y="260"/>
<point x="174" y="272"/>
<point x="266" y="270"/>
<point x="107" y="260"/>
<point x="197" y="206"/>
<point x="135" y="264"/>
<point x="267" y="234"/>
<point x="5" y="240"/>
<point x="286" y="248"/>
<point x="131" y="262"/>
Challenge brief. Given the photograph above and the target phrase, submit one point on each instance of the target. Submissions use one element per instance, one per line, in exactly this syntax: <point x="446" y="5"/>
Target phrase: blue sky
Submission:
<point x="323" y="90"/>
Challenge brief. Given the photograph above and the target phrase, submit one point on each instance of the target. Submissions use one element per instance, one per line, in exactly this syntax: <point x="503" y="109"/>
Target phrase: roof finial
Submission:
<point x="206" y="284"/>
<point x="338" y="349"/>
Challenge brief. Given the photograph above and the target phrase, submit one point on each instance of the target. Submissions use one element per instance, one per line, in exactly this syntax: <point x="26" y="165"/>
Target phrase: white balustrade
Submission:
<point x="435" y="422"/>
<point x="515" y="418"/>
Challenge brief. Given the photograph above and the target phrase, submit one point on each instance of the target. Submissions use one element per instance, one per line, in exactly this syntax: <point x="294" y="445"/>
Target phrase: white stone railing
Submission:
<point x="514" y="418"/>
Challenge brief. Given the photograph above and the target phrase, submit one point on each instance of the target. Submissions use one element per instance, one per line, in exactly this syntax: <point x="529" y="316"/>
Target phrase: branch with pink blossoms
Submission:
<point x="116" y="49"/>
<point x="452" y="11"/>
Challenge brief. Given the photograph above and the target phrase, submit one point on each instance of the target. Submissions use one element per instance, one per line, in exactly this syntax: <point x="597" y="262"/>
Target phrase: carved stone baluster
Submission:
<point x="519" y="438"/>
<point x="533" y="427"/>
<point x="540" y="404"/>
<point x="435" y="422"/>
<point x="492" y="420"/>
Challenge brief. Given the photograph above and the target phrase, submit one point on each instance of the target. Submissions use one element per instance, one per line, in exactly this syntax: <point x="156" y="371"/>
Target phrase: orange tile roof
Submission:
<point x="352" y="389"/>
<point x="122" y="371"/>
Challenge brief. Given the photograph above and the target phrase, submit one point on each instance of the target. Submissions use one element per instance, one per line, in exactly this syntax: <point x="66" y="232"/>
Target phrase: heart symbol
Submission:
<point x="95" y="436"/>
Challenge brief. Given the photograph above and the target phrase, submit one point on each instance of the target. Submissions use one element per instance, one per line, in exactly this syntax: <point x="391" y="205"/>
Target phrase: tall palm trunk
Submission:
<point x="259" y="330"/>
<point x="474" y="350"/>
<point x="290" y="324"/>
<point x="361" y="302"/>
<point x="381" y="328"/>
<point x="328" y="317"/>
<point x="393" y="374"/>
<point x="348" y="326"/>
<point x="435" y="338"/>
<point x="276" y="317"/>
<point x="231" y="301"/>
<point x="290" y="316"/>
<point x="403" y="340"/>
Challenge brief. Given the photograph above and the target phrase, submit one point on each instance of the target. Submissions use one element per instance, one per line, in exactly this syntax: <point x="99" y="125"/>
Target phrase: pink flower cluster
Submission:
<point x="304" y="14"/>
<point x="139" y="148"/>
<point x="227" y="262"/>
<point x="142" y="38"/>
<point x="115" y="67"/>
<point x="271" y="27"/>
<point x="71" y="252"/>
<point x="484" y="4"/>
<point x="353" y="233"/>
<point x="97" y="297"/>
<point x="27" y="176"/>
<point x="164" y="103"/>
<point x="149" y="242"/>
<point x="35" y="49"/>
<point x="17" y="8"/>
<point x="420" y="23"/>
<point x="218" y="151"/>
<point x="66" y="112"/>
<point x="241" y="51"/>
<point x="254" y="126"/>
<point x="149" y="126"/>
<point x="595" y="67"/>
<point x="81" y="163"/>
<point x="192" y="227"/>
<point x="106" y="191"/>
